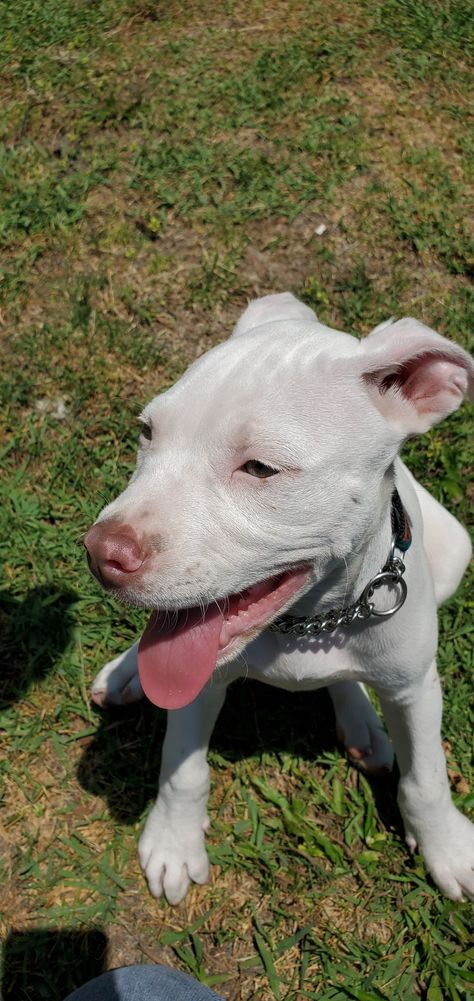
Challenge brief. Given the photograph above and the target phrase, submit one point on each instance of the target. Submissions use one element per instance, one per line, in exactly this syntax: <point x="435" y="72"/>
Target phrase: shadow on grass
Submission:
<point x="48" y="964"/>
<point x="121" y="762"/>
<point x="34" y="632"/>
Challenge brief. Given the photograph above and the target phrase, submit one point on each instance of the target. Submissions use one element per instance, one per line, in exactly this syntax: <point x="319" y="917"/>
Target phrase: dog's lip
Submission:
<point x="272" y="594"/>
<point x="231" y="603"/>
<point x="130" y="596"/>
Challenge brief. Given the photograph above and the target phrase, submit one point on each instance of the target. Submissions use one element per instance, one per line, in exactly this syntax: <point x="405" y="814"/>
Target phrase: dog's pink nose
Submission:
<point x="113" y="552"/>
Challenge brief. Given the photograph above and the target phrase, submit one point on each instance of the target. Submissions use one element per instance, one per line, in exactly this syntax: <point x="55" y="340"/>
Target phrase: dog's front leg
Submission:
<point x="443" y="835"/>
<point x="171" y="848"/>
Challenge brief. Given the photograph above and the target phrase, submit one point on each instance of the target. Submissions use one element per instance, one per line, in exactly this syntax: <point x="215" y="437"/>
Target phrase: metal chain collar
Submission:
<point x="391" y="573"/>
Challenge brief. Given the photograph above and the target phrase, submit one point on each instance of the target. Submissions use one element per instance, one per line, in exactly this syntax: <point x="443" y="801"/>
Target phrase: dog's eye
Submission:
<point x="255" y="468"/>
<point x="146" y="431"/>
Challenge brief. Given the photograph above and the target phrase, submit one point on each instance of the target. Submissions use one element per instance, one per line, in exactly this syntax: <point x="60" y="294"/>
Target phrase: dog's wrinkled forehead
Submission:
<point x="261" y="384"/>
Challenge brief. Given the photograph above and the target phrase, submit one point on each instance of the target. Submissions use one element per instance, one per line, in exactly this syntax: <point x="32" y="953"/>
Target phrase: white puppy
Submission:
<point x="268" y="479"/>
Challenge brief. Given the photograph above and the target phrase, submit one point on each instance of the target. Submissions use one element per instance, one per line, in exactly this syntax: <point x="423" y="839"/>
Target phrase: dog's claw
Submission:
<point x="359" y="754"/>
<point x="363" y="759"/>
<point x="373" y="759"/>
<point x="411" y="842"/>
<point x="99" y="697"/>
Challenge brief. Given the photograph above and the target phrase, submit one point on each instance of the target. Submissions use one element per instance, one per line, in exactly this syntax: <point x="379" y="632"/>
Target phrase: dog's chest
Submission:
<point x="296" y="664"/>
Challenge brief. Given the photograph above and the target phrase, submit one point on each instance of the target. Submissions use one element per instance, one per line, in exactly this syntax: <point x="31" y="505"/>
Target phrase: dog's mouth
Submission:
<point x="179" y="650"/>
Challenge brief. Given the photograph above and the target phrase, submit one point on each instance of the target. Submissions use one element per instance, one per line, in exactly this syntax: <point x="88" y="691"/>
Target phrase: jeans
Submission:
<point x="143" y="983"/>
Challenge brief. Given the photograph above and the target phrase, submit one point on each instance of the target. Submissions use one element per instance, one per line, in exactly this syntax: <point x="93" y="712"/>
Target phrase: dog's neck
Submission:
<point x="343" y="580"/>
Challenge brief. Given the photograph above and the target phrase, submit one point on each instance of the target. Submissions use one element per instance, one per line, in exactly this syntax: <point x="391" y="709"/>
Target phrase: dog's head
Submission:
<point x="260" y="467"/>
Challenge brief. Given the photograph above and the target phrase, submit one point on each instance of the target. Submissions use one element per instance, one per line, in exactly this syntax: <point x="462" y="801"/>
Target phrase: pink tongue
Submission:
<point x="175" y="664"/>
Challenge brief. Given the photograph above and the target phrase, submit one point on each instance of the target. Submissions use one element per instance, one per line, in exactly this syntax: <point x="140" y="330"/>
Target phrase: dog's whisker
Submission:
<point x="346" y="587"/>
<point x="155" y="617"/>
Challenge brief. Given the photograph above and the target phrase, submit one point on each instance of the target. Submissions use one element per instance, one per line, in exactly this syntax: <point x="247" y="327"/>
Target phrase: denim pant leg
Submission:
<point x="143" y="983"/>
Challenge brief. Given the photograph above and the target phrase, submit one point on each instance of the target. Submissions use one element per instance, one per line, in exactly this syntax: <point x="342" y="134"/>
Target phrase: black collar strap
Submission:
<point x="400" y="524"/>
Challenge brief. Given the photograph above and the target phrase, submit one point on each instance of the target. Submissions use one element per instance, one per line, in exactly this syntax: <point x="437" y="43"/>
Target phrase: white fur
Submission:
<point x="330" y="413"/>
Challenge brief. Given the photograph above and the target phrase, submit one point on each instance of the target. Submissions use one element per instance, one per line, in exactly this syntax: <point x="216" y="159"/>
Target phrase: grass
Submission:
<point x="160" y="165"/>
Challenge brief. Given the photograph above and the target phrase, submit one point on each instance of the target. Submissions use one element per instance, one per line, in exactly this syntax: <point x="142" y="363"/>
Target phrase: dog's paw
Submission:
<point x="118" y="683"/>
<point x="361" y="732"/>
<point x="172" y="856"/>
<point x="373" y="755"/>
<point x="448" y="850"/>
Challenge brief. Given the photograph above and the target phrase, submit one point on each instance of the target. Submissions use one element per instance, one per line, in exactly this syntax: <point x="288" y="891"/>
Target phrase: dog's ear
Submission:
<point x="414" y="376"/>
<point x="269" y="308"/>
